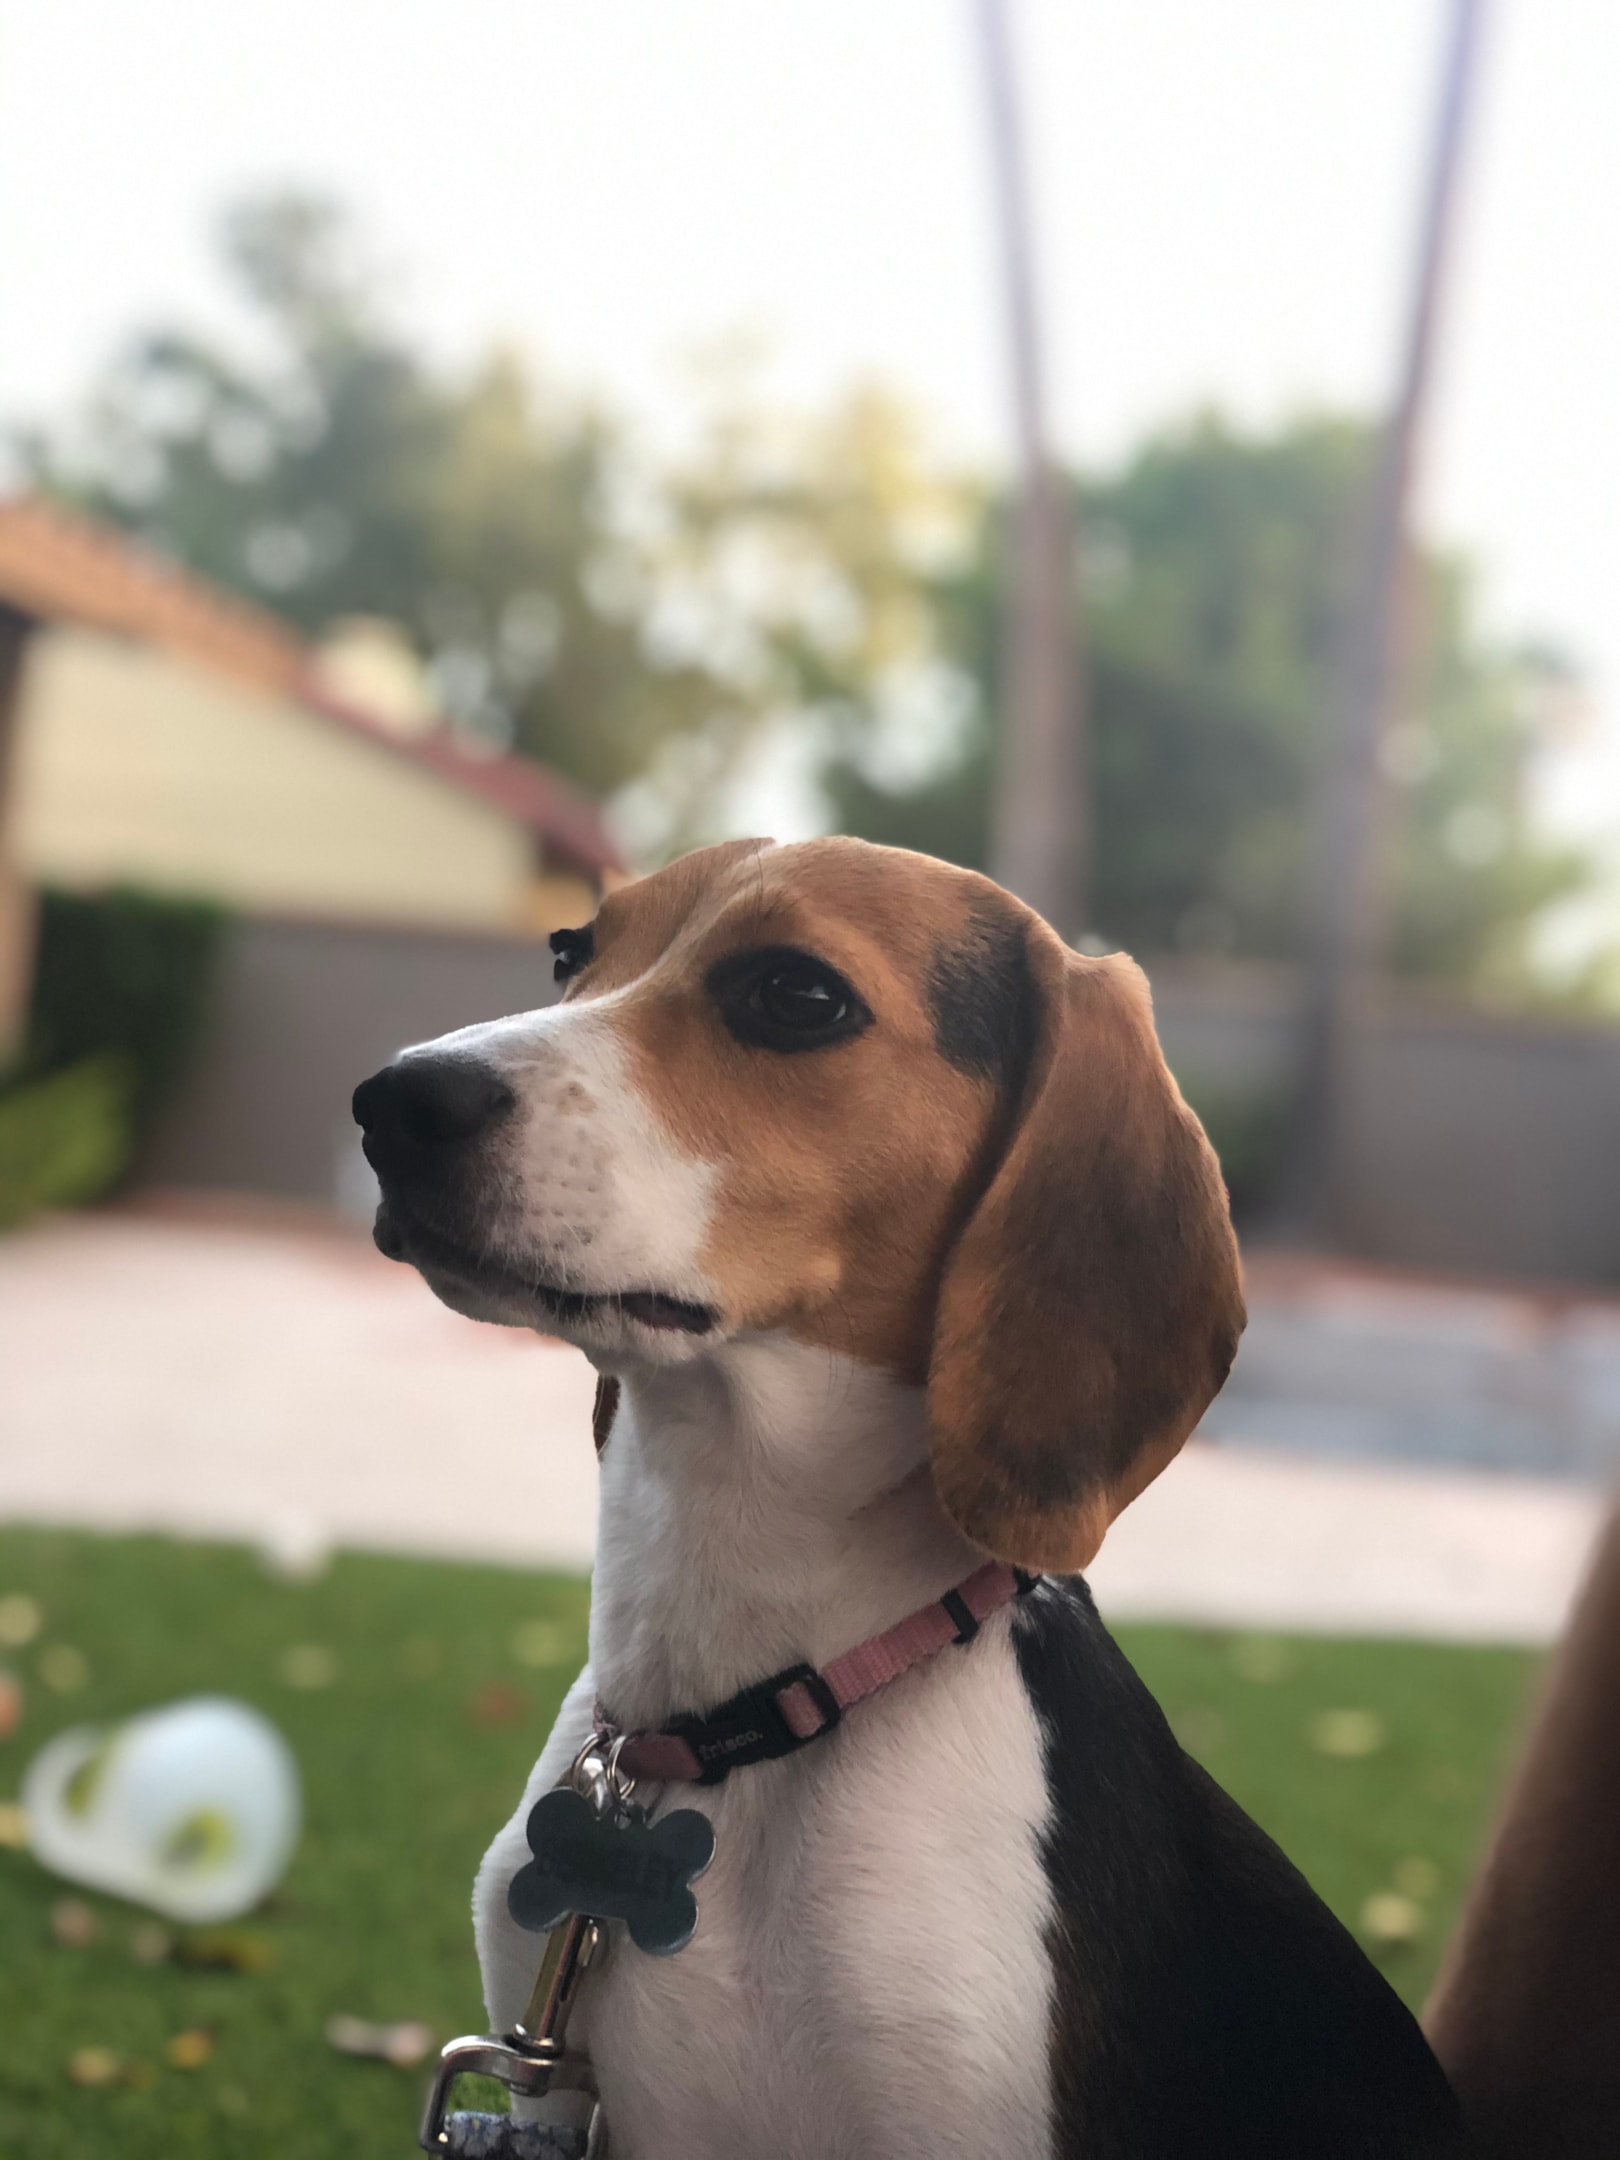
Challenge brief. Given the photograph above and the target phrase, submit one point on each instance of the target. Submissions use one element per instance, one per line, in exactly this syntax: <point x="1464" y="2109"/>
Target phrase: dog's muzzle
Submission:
<point x="419" y="1107"/>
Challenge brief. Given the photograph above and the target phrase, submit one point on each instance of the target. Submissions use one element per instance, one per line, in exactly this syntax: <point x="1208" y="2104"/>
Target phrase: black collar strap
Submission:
<point x="777" y="1716"/>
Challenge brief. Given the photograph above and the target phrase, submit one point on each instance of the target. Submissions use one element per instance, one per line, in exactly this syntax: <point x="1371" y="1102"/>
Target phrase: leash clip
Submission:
<point x="531" y="2060"/>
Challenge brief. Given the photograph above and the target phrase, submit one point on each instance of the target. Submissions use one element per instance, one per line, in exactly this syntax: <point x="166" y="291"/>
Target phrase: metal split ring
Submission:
<point x="596" y="1775"/>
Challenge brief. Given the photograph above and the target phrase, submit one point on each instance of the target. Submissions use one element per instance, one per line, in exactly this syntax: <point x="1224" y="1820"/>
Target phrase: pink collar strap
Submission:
<point x="776" y="1716"/>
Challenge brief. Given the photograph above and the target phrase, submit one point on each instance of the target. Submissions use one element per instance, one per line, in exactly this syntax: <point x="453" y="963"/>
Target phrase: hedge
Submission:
<point x="121" y="987"/>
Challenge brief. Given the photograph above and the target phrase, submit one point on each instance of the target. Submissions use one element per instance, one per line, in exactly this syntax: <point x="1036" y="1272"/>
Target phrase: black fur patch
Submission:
<point x="1205" y="2002"/>
<point x="982" y="1000"/>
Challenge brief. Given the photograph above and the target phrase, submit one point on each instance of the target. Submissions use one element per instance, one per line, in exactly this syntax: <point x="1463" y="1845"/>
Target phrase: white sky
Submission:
<point x="1223" y="187"/>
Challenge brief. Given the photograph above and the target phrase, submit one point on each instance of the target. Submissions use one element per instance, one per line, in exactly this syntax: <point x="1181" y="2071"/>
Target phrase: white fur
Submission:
<point x="869" y="1976"/>
<point x="596" y="1197"/>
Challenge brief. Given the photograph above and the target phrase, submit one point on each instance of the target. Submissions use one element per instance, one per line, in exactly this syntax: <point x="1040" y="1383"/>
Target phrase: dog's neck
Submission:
<point x="760" y="1505"/>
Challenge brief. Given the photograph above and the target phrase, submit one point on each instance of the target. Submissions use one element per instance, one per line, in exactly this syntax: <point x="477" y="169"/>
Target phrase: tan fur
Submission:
<point x="845" y="1172"/>
<point x="1093" y="1305"/>
<point x="1051" y="1255"/>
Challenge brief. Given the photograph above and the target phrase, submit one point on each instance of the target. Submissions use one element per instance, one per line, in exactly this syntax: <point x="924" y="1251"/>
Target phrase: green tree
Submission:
<point x="328" y="470"/>
<point x="642" y="622"/>
<point x="622" y="618"/>
<point x="1213" y="581"/>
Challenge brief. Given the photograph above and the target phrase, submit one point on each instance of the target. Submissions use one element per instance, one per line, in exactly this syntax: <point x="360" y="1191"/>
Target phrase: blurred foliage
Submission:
<point x="123" y="973"/>
<point x="568" y="596"/>
<point x="1248" y="1129"/>
<point x="328" y="470"/>
<point x="63" y="1139"/>
<point x="437" y="1686"/>
<point x="1213" y="570"/>
<point x="120" y="987"/>
<point x="824" y="586"/>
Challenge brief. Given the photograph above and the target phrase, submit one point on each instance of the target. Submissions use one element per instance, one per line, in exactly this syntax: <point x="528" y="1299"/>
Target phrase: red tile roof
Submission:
<point x="57" y="566"/>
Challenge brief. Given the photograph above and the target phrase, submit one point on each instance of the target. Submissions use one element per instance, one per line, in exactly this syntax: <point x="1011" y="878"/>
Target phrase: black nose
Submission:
<point x="427" y="1101"/>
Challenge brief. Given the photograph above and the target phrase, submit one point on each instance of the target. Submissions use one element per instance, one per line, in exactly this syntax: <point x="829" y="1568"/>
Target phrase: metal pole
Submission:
<point x="1039" y="844"/>
<point x="1346" y="921"/>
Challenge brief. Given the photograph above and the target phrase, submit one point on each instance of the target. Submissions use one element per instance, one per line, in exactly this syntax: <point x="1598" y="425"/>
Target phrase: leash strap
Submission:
<point x="776" y="1716"/>
<point x="498" y="2137"/>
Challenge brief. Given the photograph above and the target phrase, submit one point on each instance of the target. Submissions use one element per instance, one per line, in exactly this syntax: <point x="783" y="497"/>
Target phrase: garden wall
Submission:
<point x="1482" y="1144"/>
<point x="302" y="1012"/>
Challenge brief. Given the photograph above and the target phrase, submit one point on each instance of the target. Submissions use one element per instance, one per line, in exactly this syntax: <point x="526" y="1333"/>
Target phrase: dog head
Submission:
<point x="864" y="1098"/>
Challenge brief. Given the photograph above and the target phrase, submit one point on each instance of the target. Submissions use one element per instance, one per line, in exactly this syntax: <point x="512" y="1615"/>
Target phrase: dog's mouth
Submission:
<point x="430" y="1250"/>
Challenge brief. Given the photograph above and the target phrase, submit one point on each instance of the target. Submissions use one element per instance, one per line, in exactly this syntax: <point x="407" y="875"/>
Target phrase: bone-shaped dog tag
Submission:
<point x="634" y="1871"/>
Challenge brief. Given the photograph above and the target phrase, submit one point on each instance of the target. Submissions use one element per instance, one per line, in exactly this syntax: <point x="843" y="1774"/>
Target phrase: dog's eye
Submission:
<point x="573" y="949"/>
<point x="803" y="996"/>
<point x="785" y="1000"/>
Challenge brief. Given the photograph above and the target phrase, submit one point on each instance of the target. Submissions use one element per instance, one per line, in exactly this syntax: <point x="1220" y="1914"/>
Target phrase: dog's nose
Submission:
<point x="430" y="1101"/>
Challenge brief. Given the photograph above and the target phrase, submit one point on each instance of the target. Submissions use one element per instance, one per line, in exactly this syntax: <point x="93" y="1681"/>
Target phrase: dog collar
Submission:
<point x="780" y="1715"/>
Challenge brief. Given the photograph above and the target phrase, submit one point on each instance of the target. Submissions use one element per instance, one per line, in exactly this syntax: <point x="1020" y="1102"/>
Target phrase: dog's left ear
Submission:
<point x="1092" y="1305"/>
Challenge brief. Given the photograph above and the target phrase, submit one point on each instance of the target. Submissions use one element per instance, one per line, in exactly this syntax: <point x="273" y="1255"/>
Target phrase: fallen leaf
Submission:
<point x="1200" y="1730"/>
<point x="295" y="1548"/>
<point x="94" y="2066"/>
<point x="404" y="2043"/>
<point x="63" y="1668"/>
<point x="188" y="2050"/>
<point x="13" y="1826"/>
<point x="1417" y="1878"/>
<point x="541" y="1643"/>
<point x="73" y="1924"/>
<point x="1262" y="1658"/>
<point x="1389" y="1918"/>
<point x="20" y="1619"/>
<point x="498" y="1704"/>
<point x="1348" y="1734"/>
<point x="150" y="1944"/>
<point x="308" y="1665"/>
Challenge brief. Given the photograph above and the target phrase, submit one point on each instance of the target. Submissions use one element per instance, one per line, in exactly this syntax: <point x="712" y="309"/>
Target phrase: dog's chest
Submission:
<point x="869" y="1973"/>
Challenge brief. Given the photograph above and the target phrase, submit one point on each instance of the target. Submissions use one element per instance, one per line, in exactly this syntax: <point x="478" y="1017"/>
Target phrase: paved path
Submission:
<point x="1367" y="1363"/>
<point x="240" y="1382"/>
<point x="292" y="1387"/>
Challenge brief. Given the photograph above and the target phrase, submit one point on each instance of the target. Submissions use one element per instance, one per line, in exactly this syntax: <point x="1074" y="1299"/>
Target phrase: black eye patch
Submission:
<point x="575" y="949"/>
<point x="782" y="999"/>
<point x="980" y="998"/>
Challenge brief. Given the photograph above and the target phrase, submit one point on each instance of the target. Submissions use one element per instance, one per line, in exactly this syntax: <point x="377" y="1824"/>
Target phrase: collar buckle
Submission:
<point x="754" y="1727"/>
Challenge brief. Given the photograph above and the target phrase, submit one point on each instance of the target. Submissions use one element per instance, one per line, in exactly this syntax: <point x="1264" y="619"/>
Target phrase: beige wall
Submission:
<point x="136" y="766"/>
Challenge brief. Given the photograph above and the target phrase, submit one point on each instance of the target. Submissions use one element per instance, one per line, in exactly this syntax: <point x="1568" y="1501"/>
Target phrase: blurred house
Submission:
<point x="168" y="734"/>
<point x="386" y="877"/>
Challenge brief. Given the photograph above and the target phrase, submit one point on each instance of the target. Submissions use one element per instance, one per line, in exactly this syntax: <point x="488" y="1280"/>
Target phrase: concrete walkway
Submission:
<point x="287" y="1386"/>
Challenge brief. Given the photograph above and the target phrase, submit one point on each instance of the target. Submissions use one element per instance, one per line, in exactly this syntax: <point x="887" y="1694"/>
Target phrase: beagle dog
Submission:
<point x="882" y="1210"/>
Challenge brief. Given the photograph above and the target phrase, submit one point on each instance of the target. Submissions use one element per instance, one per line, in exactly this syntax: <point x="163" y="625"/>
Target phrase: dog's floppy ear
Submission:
<point x="1092" y="1304"/>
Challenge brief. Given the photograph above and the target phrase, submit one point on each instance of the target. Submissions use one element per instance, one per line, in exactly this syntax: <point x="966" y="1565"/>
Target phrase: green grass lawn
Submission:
<point x="425" y="1715"/>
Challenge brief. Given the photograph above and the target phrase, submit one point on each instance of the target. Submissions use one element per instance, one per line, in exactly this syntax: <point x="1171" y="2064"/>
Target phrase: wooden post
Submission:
<point x="1346" y="922"/>
<point x="1040" y="842"/>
